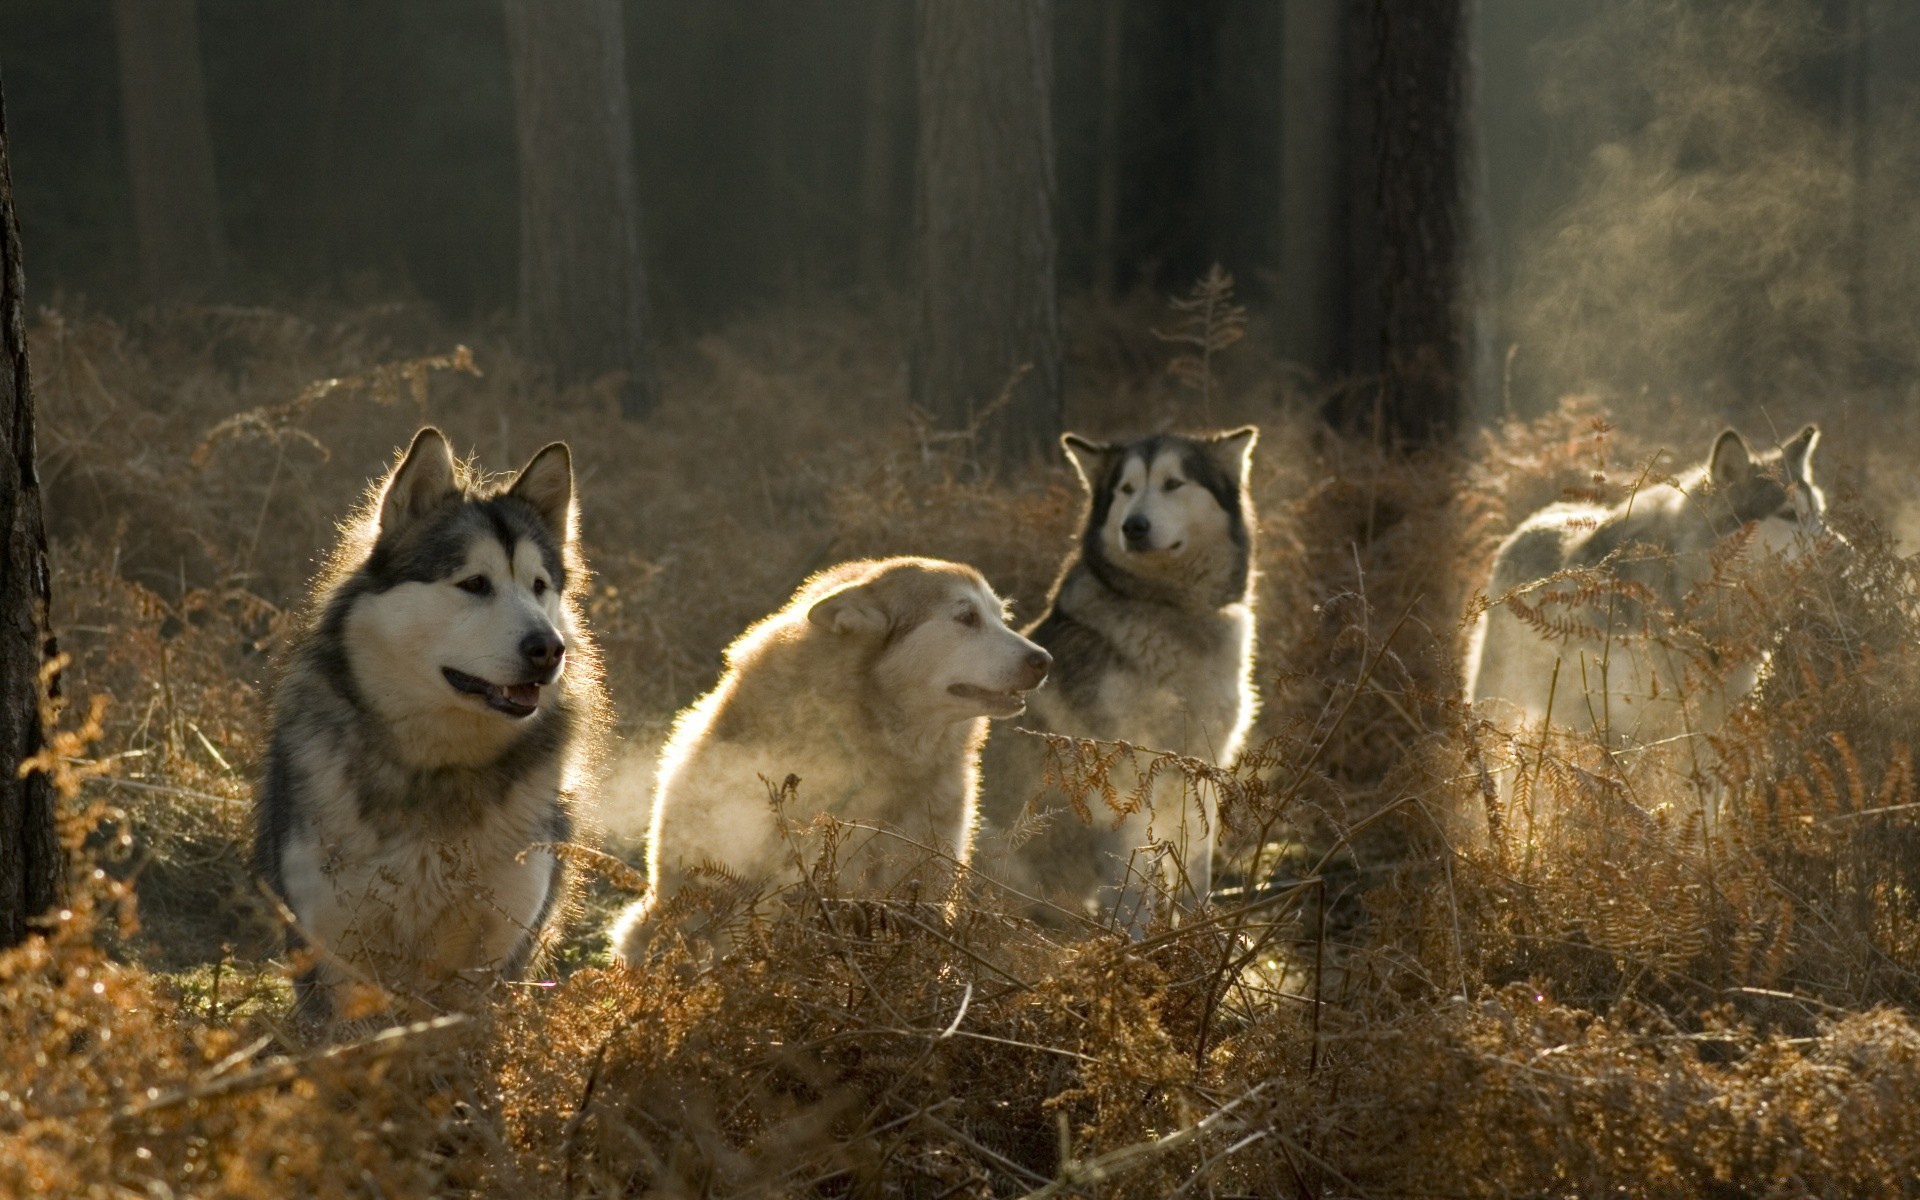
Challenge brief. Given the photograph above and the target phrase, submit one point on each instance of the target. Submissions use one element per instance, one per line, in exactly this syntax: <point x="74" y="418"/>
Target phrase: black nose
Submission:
<point x="543" y="651"/>
<point x="1136" y="527"/>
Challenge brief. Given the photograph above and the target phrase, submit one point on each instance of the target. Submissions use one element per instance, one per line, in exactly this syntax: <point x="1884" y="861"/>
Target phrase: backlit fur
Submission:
<point x="1152" y="638"/>
<point x="397" y="812"/>
<point x="1664" y="538"/>
<point x="873" y="685"/>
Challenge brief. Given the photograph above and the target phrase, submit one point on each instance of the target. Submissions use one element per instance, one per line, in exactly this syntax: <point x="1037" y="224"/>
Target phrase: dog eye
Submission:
<point x="969" y="618"/>
<point x="477" y="585"/>
<point x="1126" y="489"/>
<point x="1174" y="485"/>
<point x="539" y="587"/>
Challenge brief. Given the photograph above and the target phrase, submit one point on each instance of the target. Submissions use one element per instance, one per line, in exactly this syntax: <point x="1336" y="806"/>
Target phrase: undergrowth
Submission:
<point x="1615" y="978"/>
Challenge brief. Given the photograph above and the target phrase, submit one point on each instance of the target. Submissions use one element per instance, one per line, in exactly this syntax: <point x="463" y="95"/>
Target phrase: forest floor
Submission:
<point x="1589" y="983"/>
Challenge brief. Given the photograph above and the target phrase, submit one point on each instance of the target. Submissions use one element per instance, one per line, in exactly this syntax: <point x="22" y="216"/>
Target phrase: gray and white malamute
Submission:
<point x="435" y="713"/>
<point x="1151" y="630"/>
<point x="1606" y="662"/>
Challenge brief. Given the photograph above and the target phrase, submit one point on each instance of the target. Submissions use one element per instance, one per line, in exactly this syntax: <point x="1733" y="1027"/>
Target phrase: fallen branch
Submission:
<point x="285" y="1070"/>
<point x="1082" y="1175"/>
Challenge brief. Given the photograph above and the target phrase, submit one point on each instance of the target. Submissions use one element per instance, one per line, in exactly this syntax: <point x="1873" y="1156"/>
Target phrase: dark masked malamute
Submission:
<point x="434" y="716"/>
<point x="1151" y="630"/>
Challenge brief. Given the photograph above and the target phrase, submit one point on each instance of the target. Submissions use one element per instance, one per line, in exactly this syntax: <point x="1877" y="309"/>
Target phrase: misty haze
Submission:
<point x="960" y="598"/>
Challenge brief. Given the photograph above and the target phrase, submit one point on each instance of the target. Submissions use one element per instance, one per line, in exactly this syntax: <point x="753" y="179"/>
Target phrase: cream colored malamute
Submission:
<point x="872" y="686"/>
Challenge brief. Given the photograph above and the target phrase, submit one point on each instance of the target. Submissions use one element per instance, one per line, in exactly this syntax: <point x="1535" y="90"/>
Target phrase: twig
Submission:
<point x="1077" y="1175"/>
<point x="167" y="790"/>
<point x="386" y="1042"/>
<point x="1000" y="1160"/>
<point x="1319" y="945"/>
<point x="966" y="998"/>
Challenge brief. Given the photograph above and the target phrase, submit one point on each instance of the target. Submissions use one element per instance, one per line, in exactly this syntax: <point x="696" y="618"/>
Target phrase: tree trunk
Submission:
<point x="1106" y="203"/>
<point x="583" y="296"/>
<point x="176" y="202"/>
<point x="31" y="866"/>
<point x="887" y="56"/>
<point x="1308" y="293"/>
<point x="1410" y="238"/>
<point x="327" y="33"/>
<point x="989" y="317"/>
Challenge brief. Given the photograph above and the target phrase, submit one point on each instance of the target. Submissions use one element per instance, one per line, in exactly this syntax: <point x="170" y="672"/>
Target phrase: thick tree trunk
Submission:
<point x="887" y="60"/>
<point x="1309" y="293"/>
<point x="31" y="865"/>
<point x="989" y="315"/>
<point x="1106" y="193"/>
<point x="176" y="202"/>
<point x="1410" y="311"/>
<point x="583" y="297"/>
<point x="327" y="32"/>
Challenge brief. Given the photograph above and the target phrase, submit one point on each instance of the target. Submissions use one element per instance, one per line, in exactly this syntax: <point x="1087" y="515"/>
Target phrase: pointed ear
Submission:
<point x="1798" y="453"/>
<point x="852" y="609"/>
<point x="546" y="482"/>
<point x="1234" y="450"/>
<point x="1089" y="459"/>
<point x="1731" y="462"/>
<point x="424" y="478"/>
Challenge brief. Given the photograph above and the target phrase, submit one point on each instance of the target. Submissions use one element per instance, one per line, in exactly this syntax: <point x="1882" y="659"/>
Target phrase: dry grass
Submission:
<point x="1606" y="994"/>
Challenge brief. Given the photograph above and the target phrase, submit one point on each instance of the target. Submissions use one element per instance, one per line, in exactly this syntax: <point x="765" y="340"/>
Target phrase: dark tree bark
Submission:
<point x="32" y="869"/>
<point x="327" y="33"/>
<point x="1410" y="308"/>
<point x="989" y="314"/>
<point x="1309" y="292"/>
<point x="176" y="201"/>
<point x="888" y="56"/>
<point x="583" y="296"/>
<point x="1106" y="192"/>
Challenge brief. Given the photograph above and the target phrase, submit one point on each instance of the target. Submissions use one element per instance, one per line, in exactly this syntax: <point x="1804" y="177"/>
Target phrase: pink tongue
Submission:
<point x="524" y="694"/>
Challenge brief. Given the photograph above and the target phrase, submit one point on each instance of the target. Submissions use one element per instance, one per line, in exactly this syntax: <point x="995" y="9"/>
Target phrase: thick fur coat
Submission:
<point x="436" y="714"/>
<point x="1151" y="627"/>
<point x="872" y="686"/>
<point x="1608" y="665"/>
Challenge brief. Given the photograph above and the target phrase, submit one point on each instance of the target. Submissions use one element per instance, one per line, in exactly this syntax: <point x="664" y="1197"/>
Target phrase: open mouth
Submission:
<point x="1144" y="548"/>
<point x="1000" y="704"/>
<point x="513" y="699"/>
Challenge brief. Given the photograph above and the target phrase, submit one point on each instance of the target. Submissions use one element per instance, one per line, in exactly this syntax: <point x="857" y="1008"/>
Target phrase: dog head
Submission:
<point x="939" y="637"/>
<point x="1773" y="491"/>
<point x="459" y="614"/>
<point x="1167" y="506"/>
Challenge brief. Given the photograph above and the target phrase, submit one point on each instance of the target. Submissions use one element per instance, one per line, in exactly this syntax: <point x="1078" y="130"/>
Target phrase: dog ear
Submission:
<point x="546" y="482"/>
<point x="852" y="609"/>
<point x="1089" y="459"/>
<point x="424" y="478"/>
<point x="1233" y="450"/>
<point x="1731" y="462"/>
<point x="1798" y="453"/>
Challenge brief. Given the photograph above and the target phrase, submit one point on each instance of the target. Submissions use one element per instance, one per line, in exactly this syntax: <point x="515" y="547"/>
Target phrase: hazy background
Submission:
<point x="366" y="143"/>
<point x="1706" y="197"/>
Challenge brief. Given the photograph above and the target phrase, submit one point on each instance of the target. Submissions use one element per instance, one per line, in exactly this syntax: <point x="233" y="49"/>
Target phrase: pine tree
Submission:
<point x="989" y="319"/>
<point x="31" y="867"/>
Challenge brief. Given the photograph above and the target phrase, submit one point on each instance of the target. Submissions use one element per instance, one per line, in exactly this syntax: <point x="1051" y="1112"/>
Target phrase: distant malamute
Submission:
<point x="434" y="717"/>
<point x="872" y="685"/>
<point x="1661" y="543"/>
<point x="1151" y="630"/>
